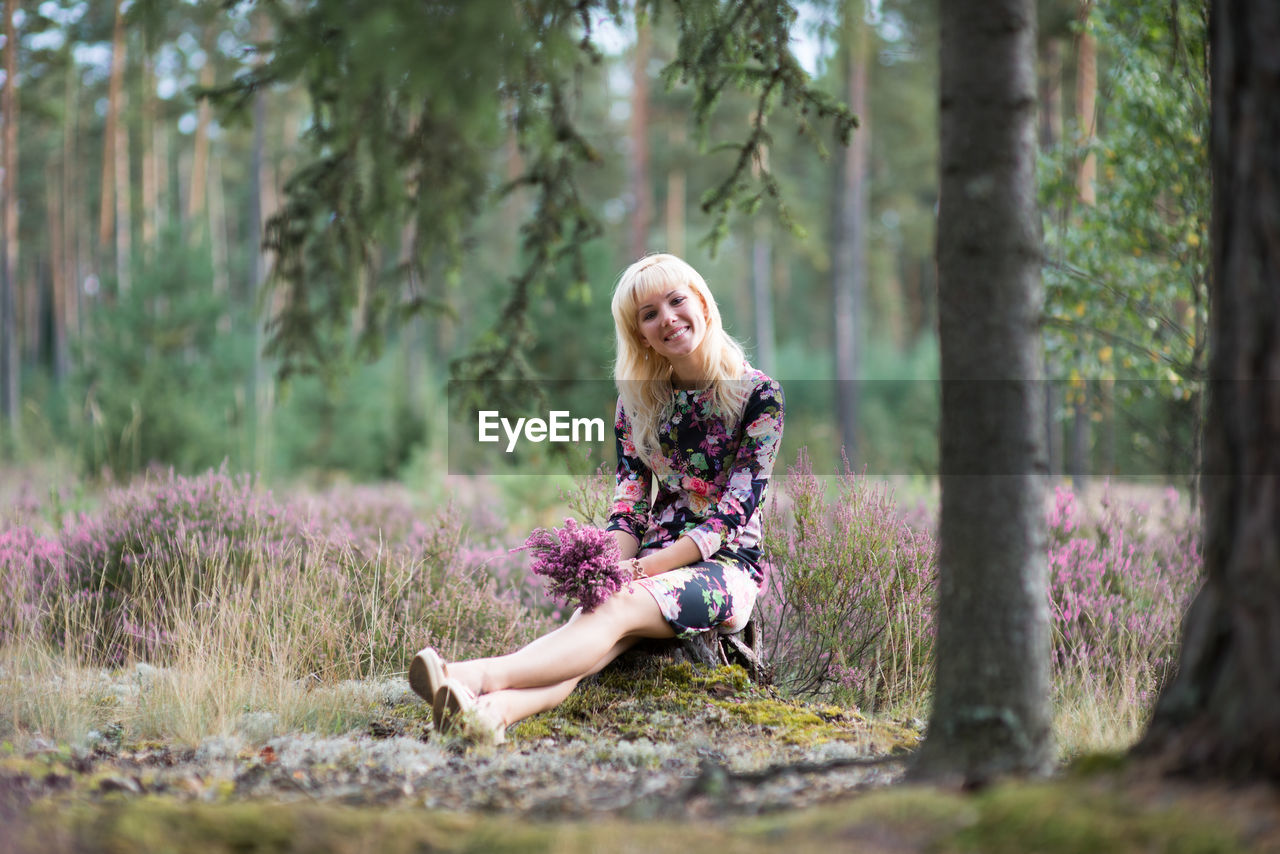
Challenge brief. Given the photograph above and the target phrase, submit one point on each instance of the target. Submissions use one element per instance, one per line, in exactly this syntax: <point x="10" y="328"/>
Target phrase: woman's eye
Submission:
<point x="677" y="300"/>
<point x="648" y="315"/>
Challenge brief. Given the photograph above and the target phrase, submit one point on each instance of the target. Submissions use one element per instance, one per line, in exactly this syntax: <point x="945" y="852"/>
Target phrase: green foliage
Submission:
<point x="1126" y="278"/>
<point x="162" y="372"/>
<point x="367" y="427"/>
<point x="410" y="101"/>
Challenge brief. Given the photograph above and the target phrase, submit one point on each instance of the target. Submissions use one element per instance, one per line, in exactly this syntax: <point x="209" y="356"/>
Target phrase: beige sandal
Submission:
<point x="455" y="704"/>
<point x="426" y="676"/>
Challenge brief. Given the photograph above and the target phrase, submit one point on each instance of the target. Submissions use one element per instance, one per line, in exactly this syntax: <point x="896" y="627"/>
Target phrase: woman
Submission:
<point x="697" y="420"/>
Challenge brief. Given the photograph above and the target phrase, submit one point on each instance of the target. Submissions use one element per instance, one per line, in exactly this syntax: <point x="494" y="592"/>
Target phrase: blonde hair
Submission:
<point x="644" y="379"/>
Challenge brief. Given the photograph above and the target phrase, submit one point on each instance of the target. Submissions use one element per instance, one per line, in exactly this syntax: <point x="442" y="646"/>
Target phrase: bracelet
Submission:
<point x="637" y="571"/>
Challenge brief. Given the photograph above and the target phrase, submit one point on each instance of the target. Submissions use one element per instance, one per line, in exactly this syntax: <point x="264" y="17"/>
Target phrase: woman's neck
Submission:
<point x="688" y="375"/>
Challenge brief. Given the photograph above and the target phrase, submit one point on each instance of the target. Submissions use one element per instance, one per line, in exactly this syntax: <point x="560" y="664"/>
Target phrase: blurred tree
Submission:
<point x="1126" y="277"/>
<point x="9" y="351"/>
<point x="408" y="102"/>
<point x="849" y="253"/>
<point x="1220" y="715"/>
<point x="991" y="712"/>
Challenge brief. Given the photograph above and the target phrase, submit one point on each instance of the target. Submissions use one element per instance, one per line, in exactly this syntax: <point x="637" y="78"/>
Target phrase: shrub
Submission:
<point x="1119" y="586"/>
<point x="344" y="585"/>
<point x="849" y="598"/>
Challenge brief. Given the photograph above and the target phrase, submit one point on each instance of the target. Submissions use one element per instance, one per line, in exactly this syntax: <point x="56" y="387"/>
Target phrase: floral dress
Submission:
<point x="711" y="477"/>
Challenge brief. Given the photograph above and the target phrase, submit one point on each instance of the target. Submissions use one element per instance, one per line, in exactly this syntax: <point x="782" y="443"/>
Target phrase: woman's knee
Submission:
<point x="629" y="607"/>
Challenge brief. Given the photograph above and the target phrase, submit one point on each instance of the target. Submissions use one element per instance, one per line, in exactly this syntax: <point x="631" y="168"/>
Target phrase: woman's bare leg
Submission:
<point x="516" y="704"/>
<point x="571" y="651"/>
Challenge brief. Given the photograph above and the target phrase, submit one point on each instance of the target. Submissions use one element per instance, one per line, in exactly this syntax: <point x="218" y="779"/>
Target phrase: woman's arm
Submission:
<point x="682" y="552"/>
<point x="748" y="473"/>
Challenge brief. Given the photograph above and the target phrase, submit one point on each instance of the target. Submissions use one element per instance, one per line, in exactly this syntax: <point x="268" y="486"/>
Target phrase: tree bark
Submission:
<point x="991" y="712"/>
<point x="9" y="352"/>
<point x="1220" y="715"/>
<point x="849" y="266"/>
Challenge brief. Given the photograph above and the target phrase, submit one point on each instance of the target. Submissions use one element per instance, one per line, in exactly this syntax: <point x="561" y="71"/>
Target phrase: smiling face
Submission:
<point x="673" y="322"/>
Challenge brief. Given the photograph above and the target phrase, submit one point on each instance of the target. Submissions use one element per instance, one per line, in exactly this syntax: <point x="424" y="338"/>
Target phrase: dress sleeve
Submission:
<point x="630" y="508"/>
<point x="749" y="473"/>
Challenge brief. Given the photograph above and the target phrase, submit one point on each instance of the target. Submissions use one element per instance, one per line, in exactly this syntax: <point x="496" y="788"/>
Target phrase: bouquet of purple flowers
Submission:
<point x="580" y="561"/>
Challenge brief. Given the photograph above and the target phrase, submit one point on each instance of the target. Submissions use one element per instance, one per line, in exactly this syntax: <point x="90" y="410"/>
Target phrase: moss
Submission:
<point x="790" y="723"/>
<point x="1098" y="763"/>
<point x="1068" y="815"/>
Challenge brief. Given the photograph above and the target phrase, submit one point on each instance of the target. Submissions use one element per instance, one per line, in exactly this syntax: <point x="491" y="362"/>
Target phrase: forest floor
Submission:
<point x="657" y="757"/>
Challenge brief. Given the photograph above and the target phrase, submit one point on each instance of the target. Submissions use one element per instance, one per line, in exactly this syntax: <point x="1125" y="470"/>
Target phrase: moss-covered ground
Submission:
<point x="655" y="756"/>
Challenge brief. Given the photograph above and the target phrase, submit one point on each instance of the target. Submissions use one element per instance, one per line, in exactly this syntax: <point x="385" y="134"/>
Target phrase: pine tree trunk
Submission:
<point x="106" y="217"/>
<point x="1220" y="715"/>
<point x="123" y="187"/>
<point x="67" y="322"/>
<point x="641" y="191"/>
<point x="57" y="269"/>
<point x="9" y="352"/>
<point x="150" y="170"/>
<point x="991" y="712"/>
<point x="848" y="270"/>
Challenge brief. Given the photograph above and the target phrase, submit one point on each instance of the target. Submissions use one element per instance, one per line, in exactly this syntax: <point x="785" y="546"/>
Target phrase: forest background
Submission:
<point x="142" y="292"/>
<point x="289" y="277"/>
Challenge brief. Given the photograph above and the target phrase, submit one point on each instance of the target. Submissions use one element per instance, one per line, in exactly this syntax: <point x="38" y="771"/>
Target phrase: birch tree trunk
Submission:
<point x="991" y="712"/>
<point x="1220" y="715"/>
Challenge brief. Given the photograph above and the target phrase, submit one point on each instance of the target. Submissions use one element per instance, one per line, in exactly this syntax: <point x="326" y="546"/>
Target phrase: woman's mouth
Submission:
<point x="679" y="333"/>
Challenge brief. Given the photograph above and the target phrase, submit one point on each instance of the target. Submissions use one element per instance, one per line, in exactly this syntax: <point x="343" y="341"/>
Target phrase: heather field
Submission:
<point x="175" y="646"/>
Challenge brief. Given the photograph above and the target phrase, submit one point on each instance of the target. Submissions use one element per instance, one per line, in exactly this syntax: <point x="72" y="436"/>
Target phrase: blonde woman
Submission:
<point x="697" y="431"/>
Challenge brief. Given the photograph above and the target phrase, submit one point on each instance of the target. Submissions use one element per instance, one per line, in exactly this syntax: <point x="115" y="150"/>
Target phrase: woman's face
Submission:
<point x="672" y="323"/>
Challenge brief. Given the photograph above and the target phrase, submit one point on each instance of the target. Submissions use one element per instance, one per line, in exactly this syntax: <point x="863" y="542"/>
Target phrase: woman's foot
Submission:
<point x="456" y="705"/>
<point x="426" y="675"/>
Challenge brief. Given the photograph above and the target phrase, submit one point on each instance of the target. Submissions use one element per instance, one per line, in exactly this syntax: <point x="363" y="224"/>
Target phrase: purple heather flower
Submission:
<point x="581" y="563"/>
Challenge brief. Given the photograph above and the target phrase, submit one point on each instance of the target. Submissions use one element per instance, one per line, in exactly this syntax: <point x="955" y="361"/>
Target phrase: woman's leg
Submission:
<point x="571" y="651"/>
<point x="516" y="704"/>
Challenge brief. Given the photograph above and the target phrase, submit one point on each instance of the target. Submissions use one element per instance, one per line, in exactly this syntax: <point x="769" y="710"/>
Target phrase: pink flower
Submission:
<point x="697" y="486"/>
<point x="581" y="562"/>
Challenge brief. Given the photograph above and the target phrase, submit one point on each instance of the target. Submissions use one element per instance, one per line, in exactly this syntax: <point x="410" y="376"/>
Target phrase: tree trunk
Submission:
<point x="150" y="168"/>
<point x="676" y="192"/>
<point x="762" y="297"/>
<point x="641" y="191"/>
<point x="848" y="270"/>
<point x="1220" y="715"/>
<point x="123" y="185"/>
<point x="9" y="353"/>
<point x="1086" y="113"/>
<point x="58" y="274"/>
<point x="991" y="712"/>
<point x="107" y="210"/>
<point x="1050" y="136"/>
<point x="197" y="217"/>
